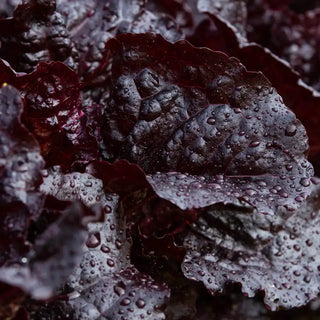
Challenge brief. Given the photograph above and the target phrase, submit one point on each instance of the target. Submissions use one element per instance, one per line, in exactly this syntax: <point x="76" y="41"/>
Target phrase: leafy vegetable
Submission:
<point x="203" y="114"/>
<point x="274" y="254"/>
<point x="152" y="160"/>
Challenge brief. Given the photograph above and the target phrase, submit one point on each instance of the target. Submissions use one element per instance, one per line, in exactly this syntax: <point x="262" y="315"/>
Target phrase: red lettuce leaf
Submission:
<point x="92" y="23"/>
<point x="291" y="35"/>
<point x="14" y="220"/>
<point x="151" y="214"/>
<point x="234" y="12"/>
<point x="52" y="258"/>
<point x="35" y="33"/>
<point x="303" y="100"/>
<point x="121" y="177"/>
<point x="105" y="283"/>
<point x="196" y="111"/>
<point x="21" y="162"/>
<point x="20" y="178"/>
<point x="274" y="254"/>
<point x="7" y="7"/>
<point x="54" y="114"/>
<point x="120" y="295"/>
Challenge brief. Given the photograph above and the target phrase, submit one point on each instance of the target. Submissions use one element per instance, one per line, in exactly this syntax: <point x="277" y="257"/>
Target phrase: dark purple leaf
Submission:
<point x="105" y="278"/>
<point x="189" y="191"/>
<point x="11" y="299"/>
<point x="7" y="6"/>
<point x="53" y="257"/>
<point x="234" y="12"/>
<point x="54" y="113"/>
<point x="20" y="159"/>
<point x="291" y="35"/>
<point x="183" y="12"/>
<point x="20" y="178"/>
<point x="35" y="33"/>
<point x="153" y="215"/>
<point x="72" y="186"/>
<point x="275" y="254"/>
<point x="92" y="23"/>
<point x="200" y="112"/>
<point x="303" y="100"/>
<point x="126" y="294"/>
<point x="121" y="177"/>
<point x="14" y="221"/>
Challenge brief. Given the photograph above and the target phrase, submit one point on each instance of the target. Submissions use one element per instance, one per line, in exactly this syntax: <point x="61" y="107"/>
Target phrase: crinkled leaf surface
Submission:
<point x="190" y="191"/>
<point x="120" y="296"/>
<point x="20" y="177"/>
<point x="35" y="33"/>
<point x="293" y="36"/>
<point x="106" y="284"/>
<point x="14" y="221"/>
<point x="52" y="258"/>
<point x="54" y="113"/>
<point x="153" y="215"/>
<point x="92" y="23"/>
<point x="300" y="98"/>
<point x="20" y="159"/>
<point x="275" y="254"/>
<point x="181" y="11"/>
<point x="234" y="12"/>
<point x="7" y="6"/>
<point x="121" y="177"/>
<point x="214" y="132"/>
<point x="178" y="108"/>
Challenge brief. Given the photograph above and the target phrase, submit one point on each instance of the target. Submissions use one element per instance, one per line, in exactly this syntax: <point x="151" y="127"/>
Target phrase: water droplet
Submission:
<point x="107" y="209"/>
<point x="251" y="192"/>
<point x="93" y="240"/>
<point x="289" y="167"/>
<point x="296" y="247"/>
<point x="119" y="290"/>
<point x="105" y="249"/>
<point x="254" y="144"/>
<point x="91" y="13"/>
<point x="305" y="182"/>
<point x="211" y="121"/>
<point x="309" y="243"/>
<point x="118" y="244"/>
<point x="24" y="260"/>
<point x="88" y="184"/>
<point x="201" y="273"/>
<point x="125" y="302"/>
<point x="140" y="303"/>
<point x="110" y="262"/>
<point x="291" y="130"/>
<point x="299" y="199"/>
<point x="237" y="110"/>
<point x="315" y="180"/>
<point x="283" y="194"/>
